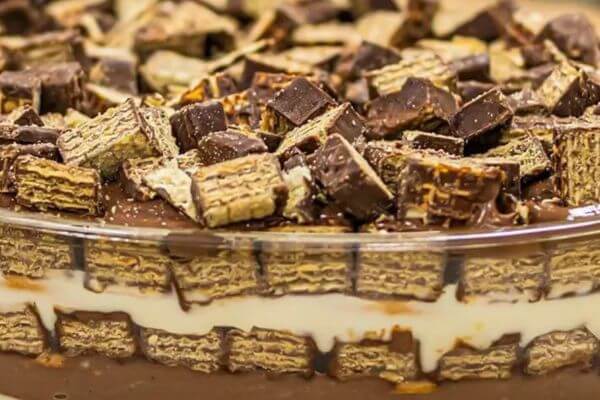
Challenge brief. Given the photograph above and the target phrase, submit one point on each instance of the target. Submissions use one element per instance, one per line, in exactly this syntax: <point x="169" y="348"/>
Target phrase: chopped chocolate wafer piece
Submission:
<point x="216" y="272"/>
<point x="210" y="87"/>
<point x="418" y="105"/>
<point x="495" y="362"/>
<point x="99" y="99"/>
<point x="395" y="362"/>
<point x="44" y="49"/>
<point x="559" y="349"/>
<point x="55" y="120"/>
<point x="237" y="108"/>
<point x="239" y="190"/>
<point x="433" y="188"/>
<point x="19" y="88"/>
<point x="189" y="161"/>
<point x="24" y="115"/>
<point x="572" y="268"/>
<point x="31" y="254"/>
<point x="542" y="127"/>
<point x="202" y="353"/>
<point x="480" y="121"/>
<point x="126" y="265"/>
<point x="226" y="145"/>
<point x="575" y="160"/>
<point x="368" y="56"/>
<point x="174" y="185"/>
<point x="564" y="92"/>
<point x="187" y="28"/>
<point x="528" y="151"/>
<point x="342" y="120"/>
<point x="512" y="174"/>
<point x="9" y="154"/>
<point x="117" y="135"/>
<point x="426" y="140"/>
<point x="328" y="33"/>
<point x="349" y="179"/>
<point x="28" y="134"/>
<point x="421" y="64"/>
<point x="193" y="122"/>
<point x="485" y="20"/>
<point x="164" y="70"/>
<point x="131" y="177"/>
<point x="119" y="73"/>
<point x="21" y="330"/>
<point x="275" y="352"/>
<point x="62" y="86"/>
<point x="45" y="184"/>
<point x="526" y="102"/>
<point x="323" y="57"/>
<point x="300" y="205"/>
<point x="274" y="63"/>
<point x="108" y="334"/>
<point x="300" y="101"/>
<point x="574" y="35"/>
<point x="385" y="28"/>
<point x="468" y="90"/>
<point x="159" y="130"/>
<point x="399" y="275"/>
<point x="388" y="159"/>
<point x="521" y="275"/>
<point x="302" y="270"/>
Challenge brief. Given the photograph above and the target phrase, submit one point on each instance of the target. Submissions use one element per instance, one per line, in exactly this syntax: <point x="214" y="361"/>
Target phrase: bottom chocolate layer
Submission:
<point x="95" y="378"/>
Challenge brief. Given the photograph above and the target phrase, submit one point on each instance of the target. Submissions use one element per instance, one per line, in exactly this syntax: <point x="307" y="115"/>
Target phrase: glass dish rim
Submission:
<point x="403" y="241"/>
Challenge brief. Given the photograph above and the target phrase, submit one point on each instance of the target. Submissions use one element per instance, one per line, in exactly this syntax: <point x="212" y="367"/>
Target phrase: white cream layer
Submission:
<point x="325" y="317"/>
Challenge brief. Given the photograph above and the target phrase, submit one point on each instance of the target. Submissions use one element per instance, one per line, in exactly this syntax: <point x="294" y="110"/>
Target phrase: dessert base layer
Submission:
<point x="98" y="378"/>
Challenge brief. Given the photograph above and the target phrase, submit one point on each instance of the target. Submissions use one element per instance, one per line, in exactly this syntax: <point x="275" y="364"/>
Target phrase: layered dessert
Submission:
<point x="221" y="199"/>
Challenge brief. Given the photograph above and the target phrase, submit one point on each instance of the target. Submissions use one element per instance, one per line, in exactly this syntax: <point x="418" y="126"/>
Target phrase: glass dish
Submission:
<point x="107" y="311"/>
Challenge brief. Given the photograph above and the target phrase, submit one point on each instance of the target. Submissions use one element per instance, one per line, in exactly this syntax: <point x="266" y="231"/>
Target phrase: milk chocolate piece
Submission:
<point x="62" y="86"/>
<point x="300" y="270"/>
<point x="301" y="202"/>
<point x="215" y="272"/>
<point x="10" y="153"/>
<point x="45" y="49"/>
<point x="560" y="349"/>
<point x="495" y="362"/>
<point x="26" y="253"/>
<point x="201" y="353"/>
<point x="300" y="101"/>
<point x="349" y="179"/>
<point x="108" y="334"/>
<point x="19" y="88"/>
<point x="422" y="64"/>
<point x="529" y="152"/>
<point x="394" y="361"/>
<point x="572" y="269"/>
<point x="575" y="158"/>
<point x="399" y="275"/>
<point x="21" y="331"/>
<point x="117" y="135"/>
<point x="480" y="121"/>
<point x="426" y="140"/>
<point x="342" y="120"/>
<point x="367" y="57"/>
<point x="226" y="145"/>
<point x="174" y="185"/>
<point x="433" y="188"/>
<point x="574" y="35"/>
<point x="131" y="177"/>
<point x="118" y="73"/>
<point x="520" y="276"/>
<point x="418" y="105"/>
<point x="275" y="352"/>
<point x="193" y="122"/>
<point x="187" y="28"/>
<point x="564" y="92"/>
<point x="45" y="184"/>
<point x="126" y="265"/>
<point x="24" y="115"/>
<point x="210" y="87"/>
<point x="239" y="190"/>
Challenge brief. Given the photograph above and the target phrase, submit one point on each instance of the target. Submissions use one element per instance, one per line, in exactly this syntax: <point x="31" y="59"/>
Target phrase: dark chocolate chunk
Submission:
<point x="349" y="179"/>
<point x="254" y="63"/>
<point x="368" y="56"/>
<point x="300" y="101"/>
<point x="475" y="67"/>
<point x="62" y="86"/>
<point x="435" y="190"/>
<point x="480" y="121"/>
<point x="24" y="116"/>
<point x="19" y="88"/>
<point x="193" y="122"/>
<point x="418" y="105"/>
<point x="28" y="134"/>
<point x="227" y="145"/>
<point x="426" y="140"/>
<point x="575" y="35"/>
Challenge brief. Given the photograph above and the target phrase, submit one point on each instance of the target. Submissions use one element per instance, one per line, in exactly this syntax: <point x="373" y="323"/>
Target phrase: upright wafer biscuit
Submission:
<point x="572" y="268"/>
<point x="19" y="88"/>
<point x="275" y="352"/>
<point x="21" y="330"/>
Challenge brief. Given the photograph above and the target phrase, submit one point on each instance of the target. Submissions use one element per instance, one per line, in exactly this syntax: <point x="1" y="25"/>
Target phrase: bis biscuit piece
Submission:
<point x="21" y="330"/>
